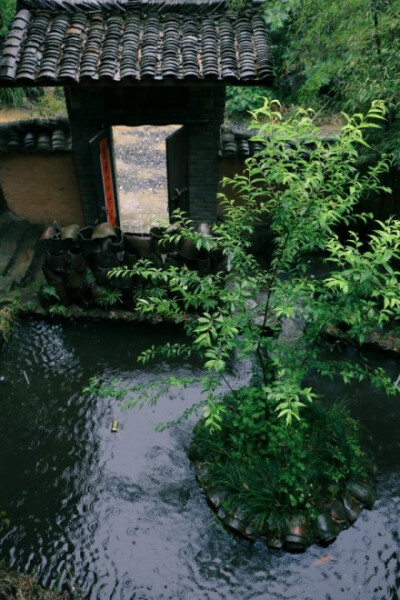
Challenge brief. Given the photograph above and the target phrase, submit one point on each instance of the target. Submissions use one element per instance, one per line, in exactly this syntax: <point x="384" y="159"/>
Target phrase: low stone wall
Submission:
<point x="41" y="184"/>
<point x="43" y="187"/>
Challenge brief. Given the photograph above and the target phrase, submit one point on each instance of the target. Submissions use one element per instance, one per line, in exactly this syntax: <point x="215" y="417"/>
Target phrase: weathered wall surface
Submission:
<point x="41" y="187"/>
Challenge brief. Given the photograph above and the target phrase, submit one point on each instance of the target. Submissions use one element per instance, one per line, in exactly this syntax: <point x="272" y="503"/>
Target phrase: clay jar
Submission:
<point x="138" y="243"/>
<point x="76" y="260"/>
<point x="107" y="257"/>
<point x="159" y="245"/>
<point x="187" y="249"/>
<point x="51" y="237"/>
<point x="69" y="237"/>
<point x="57" y="280"/>
<point x="297" y="534"/>
<point x="116" y="244"/>
<point x="326" y="529"/>
<point x="363" y="492"/>
<point x="86" y="243"/>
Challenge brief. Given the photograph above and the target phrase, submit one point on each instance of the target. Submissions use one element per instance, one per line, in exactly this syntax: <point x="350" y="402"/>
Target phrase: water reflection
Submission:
<point x="122" y="513"/>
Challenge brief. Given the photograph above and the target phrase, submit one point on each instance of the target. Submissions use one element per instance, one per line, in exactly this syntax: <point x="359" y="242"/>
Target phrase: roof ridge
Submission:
<point x="125" y="5"/>
<point x="38" y="122"/>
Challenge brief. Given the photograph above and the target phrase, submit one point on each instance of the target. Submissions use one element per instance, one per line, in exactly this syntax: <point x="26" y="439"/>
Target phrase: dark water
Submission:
<point x="121" y="514"/>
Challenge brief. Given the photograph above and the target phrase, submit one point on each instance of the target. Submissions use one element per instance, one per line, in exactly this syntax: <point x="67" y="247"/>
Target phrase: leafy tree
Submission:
<point x="277" y="317"/>
<point x="7" y="11"/>
<point x="339" y="56"/>
<point x="306" y="189"/>
<point x="348" y="54"/>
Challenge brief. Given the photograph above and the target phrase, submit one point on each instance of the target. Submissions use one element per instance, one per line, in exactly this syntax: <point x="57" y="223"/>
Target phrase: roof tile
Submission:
<point x="36" y="135"/>
<point x="155" y="42"/>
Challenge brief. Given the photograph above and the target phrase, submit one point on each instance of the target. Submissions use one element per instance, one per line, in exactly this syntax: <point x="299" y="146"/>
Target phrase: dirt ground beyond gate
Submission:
<point x="140" y="157"/>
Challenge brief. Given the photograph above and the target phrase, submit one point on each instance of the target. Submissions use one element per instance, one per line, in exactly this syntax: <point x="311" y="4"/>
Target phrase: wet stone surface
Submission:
<point x="123" y="513"/>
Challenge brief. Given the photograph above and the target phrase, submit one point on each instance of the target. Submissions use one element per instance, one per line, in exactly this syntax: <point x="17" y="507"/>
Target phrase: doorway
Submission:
<point x="149" y="184"/>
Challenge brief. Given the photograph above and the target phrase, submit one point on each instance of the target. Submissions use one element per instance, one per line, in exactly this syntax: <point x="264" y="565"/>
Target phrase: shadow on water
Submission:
<point x="121" y="514"/>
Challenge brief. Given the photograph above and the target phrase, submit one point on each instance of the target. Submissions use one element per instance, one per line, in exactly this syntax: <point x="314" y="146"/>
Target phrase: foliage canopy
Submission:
<point x="307" y="190"/>
<point x="338" y="56"/>
<point x="270" y="442"/>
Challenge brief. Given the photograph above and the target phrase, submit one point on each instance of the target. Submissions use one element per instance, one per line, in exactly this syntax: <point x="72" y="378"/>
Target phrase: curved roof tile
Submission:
<point x="36" y="135"/>
<point x="61" y="41"/>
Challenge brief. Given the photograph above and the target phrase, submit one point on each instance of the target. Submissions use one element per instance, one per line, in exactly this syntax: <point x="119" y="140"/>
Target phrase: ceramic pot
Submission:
<point x="75" y="281"/>
<point x="202" y="473"/>
<point x="275" y="540"/>
<point x="124" y="283"/>
<point x="325" y="528"/>
<point x="351" y="507"/>
<point x="129" y="259"/>
<point x="76" y="261"/>
<point x="106" y="257"/>
<point x="219" y="262"/>
<point x="103" y="230"/>
<point x="86" y="243"/>
<point x="160" y="244"/>
<point x="363" y="492"/>
<point x="204" y="256"/>
<point x="51" y="238"/>
<point x="118" y="283"/>
<point x="56" y="262"/>
<point x="100" y="275"/>
<point x="216" y="497"/>
<point x="338" y="515"/>
<point x="69" y="237"/>
<point x="116" y="244"/>
<point x="297" y="534"/>
<point x="250" y="533"/>
<point x="157" y="234"/>
<point x="97" y="291"/>
<point x="138" y="243"/>
<point x="187" y="249"/>
<point x="173" y="260"/>
<point x="234" y="523"/>
<point x="204" y="266"/>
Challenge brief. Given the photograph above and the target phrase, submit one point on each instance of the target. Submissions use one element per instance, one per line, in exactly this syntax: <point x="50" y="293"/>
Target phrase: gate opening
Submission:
<point x="151" y="174"/>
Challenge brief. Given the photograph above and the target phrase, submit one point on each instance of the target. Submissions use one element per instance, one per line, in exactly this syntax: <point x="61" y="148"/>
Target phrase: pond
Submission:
<point x="121" y="514"/>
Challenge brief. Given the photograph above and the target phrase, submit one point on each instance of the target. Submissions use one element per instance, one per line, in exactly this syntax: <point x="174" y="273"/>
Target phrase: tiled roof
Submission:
<point x="54" y="135"/>
<point x="36" y="135"/>
<point x="61" y="42"/>
<point x="236" y="143"/>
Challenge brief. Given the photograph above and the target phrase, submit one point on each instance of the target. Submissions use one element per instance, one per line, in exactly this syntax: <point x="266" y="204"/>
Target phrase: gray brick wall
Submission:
<point x="208" y="105"/>
<point x="85" y="124"/>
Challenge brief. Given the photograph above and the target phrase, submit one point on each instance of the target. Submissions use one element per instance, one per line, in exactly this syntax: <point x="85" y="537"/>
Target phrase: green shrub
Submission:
<point x="13" y="97"/>
<point x="270" y="470"/>
<point x="241" y="100"/>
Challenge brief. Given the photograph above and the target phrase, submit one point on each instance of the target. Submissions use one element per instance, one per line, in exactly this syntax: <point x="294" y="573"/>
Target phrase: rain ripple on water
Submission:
<point x="122" y="516"/>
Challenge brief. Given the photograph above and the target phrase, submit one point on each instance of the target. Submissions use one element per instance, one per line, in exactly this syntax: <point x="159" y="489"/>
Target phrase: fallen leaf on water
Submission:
<point x="322" y="561"/>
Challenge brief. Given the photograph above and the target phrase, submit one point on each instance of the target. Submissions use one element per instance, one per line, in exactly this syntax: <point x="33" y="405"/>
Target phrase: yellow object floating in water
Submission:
<point x="115" y="426"/>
